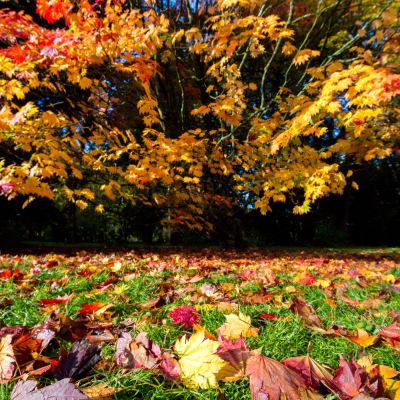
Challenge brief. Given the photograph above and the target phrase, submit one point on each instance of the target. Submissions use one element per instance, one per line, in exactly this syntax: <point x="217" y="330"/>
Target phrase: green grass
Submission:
<point x="278" y="339"/>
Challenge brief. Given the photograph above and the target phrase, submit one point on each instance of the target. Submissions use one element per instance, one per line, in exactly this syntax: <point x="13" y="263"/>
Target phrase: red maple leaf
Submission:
<point x="307" y="279"/>
<point x="185" y="315"/>
<point x="90" y="308"/>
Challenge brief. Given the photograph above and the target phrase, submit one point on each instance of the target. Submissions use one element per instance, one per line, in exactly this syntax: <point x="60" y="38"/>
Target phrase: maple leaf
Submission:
<point x="62" y="390"/>
<point x="95" y="308"/>
<point x="305" y="279"/>
<point x="6" y="359"/>
<point x="44" y="334"/>
<point x="363" y="338"/>
<point x="100" y="391"/>
<point x="85" y="82"/>
<point x="24" y="346"/>
<point x="120" y="356"/>
<point x="79" y="360"/>
<point x="59" y="300"/>
<point x="198" y="360"/>
<point x="6" y="187"/>
<point x="237" y="325"/>
<point x="311" y="371"/>
<point x="185" y="315"/>
<point x="350" y="377"/>
<point x="170" y="368"/>
<point x="271" y="317"/>
<point x="312" y="321"/>
<point x="142" y="352"/>
<point x="391" y="333"/>
<point x="236" y="356"/>
<point x="270" y="378"/>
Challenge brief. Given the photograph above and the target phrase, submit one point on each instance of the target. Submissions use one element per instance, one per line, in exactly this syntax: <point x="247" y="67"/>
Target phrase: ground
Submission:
<point x="323" y="301"/>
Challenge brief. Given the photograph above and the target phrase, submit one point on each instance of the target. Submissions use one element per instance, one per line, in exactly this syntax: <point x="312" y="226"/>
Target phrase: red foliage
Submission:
<point x="185" y="315"/>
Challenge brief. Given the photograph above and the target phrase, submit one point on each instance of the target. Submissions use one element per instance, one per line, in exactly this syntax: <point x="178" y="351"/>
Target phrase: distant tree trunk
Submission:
<point x="148" y="231"/>
<point x="234" y="233"/>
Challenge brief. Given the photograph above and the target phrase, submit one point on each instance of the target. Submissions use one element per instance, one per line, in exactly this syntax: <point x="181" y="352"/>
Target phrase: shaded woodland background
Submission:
<point x="369" y="216"/>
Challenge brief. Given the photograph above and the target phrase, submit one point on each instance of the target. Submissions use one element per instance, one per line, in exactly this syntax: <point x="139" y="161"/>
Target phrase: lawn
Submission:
<point x="280" y="303"/>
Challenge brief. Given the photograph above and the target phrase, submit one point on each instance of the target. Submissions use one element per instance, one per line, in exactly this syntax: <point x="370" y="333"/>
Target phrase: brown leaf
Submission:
<point x="309" y="394"/>
<point x="102" y="390"/>
<point x="304" y="310"/>
<point x="270" y="378"/>
<point x="311" y="371"/>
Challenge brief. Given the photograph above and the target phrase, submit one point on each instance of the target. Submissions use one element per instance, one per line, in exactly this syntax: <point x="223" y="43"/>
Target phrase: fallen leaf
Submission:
<point x="198" y="360"/>
<point x="312" y="372"/>
<point x="43" y="333"/>
<point x="6" y="359"/>
<point x="100" y="390"/>
<point x="207" y="334"/>
<point x="350" y="377"/>
<point x="24" y="347"/>
<point x="79" y="360"/>
<point x="300" y="307"/>
<point x="236" y="326"/>
<point x="62" y="390"/>
<point x="236" y="356"/>
<point x="170" y="368"/>
<point x="185" y="315"/>
<point x="270" y="378"/>
<point x="363" y="339"/>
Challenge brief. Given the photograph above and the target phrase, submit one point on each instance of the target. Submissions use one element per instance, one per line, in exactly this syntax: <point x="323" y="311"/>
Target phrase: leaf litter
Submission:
<point x="200" y="320"/>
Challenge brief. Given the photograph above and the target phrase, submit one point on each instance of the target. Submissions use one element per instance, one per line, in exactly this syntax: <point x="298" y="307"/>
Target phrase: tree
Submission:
<point x="197" y="110"/>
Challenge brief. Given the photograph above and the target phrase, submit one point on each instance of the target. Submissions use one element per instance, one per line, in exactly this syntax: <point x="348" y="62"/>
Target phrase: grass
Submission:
<point x="279" y="339"/>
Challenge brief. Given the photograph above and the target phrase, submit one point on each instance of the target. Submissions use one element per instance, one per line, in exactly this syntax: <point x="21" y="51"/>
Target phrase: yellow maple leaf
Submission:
<point x="85" y="82"/>
<point x="386" y="372"/>
<point x="236" y="326"/>
<point x="198" y="360"/>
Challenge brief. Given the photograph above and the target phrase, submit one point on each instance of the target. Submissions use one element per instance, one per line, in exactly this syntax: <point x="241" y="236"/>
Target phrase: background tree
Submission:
<point x="192" y="114"/>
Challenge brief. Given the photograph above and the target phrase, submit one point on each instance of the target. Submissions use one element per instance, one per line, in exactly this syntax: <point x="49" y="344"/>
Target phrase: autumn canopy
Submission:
<point x="196" y="108"/>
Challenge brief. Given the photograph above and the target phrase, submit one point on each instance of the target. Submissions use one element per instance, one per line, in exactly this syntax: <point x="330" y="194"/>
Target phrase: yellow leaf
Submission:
<point x="236" y="326"/>
<point x="99" y="208"/>
<point x="101" y="390"/>
<point x="120" y="289"/>
<point x="205" y="307"/>
<point x="198" y="360"/>
<point x="85" y="83"/>
<point x="117" y="266"/>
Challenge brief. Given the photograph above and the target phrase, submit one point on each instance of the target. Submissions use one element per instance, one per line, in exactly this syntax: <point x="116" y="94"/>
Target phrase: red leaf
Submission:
<point x="236" y="355"/>
<point x="91" y="308"/>
<point x="312" y="372"/>
<point x="185" y="315"/>
<point x="270" y="317"/>
<point x="6" y="187"/>
<point x="350" y="377"/>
